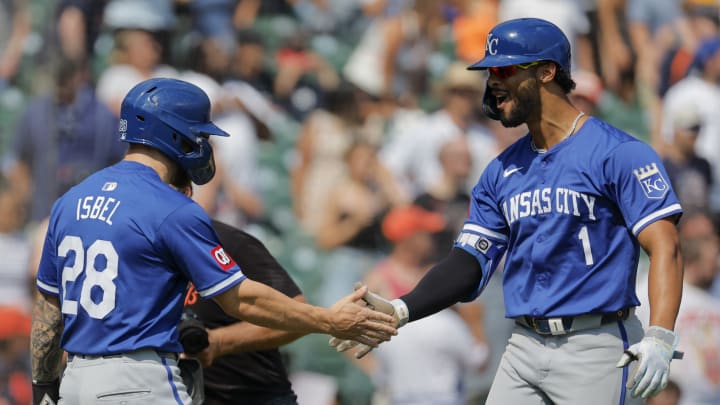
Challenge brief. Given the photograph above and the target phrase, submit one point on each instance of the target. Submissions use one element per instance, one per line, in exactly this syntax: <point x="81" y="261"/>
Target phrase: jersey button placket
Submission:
<point x="542" y="280"/>
<point x="543" y="165"/>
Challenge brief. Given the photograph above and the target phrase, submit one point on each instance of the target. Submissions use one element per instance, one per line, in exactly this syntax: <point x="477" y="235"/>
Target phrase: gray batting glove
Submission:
<point x="396" y="308"/>
<point x="654" y="353"/>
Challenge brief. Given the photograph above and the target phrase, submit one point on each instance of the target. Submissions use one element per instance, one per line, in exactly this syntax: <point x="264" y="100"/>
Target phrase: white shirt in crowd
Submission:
<point x="427" y="362"/>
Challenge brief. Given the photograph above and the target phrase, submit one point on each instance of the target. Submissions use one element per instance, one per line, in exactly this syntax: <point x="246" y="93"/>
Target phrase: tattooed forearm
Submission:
<point x="45" y="350"/>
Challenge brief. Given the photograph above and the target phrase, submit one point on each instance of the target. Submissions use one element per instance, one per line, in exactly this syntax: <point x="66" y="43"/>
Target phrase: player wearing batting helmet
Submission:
<point x="119" y="252"/>
<point x="569" y="206"/>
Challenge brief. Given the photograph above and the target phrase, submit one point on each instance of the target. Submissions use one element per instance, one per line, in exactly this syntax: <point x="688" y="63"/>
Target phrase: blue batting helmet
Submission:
<point x="525" y="40"/>
<point x="172" y="116"/>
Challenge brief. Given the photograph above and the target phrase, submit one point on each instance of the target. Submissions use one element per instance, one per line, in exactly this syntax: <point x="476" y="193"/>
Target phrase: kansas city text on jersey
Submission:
<point x="96" y="207"/>
<point x="546" y="200"/>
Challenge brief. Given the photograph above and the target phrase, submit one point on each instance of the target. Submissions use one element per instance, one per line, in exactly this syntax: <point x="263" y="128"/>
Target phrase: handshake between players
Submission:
<point x="653" y="354"/>
<point x="395" y="308"/>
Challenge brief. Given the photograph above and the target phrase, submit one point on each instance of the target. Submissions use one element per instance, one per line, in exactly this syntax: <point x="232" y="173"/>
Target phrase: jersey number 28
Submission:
<point x="94" y="278"/>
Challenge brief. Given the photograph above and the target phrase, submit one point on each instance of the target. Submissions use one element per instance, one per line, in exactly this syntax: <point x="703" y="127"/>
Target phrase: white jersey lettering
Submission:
<point x="540" y="201"/>
<point x="96" y="207"/>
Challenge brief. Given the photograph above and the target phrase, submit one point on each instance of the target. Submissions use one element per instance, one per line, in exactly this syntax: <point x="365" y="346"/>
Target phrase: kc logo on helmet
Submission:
<point x="491" y="44"/>
<point x="223" y="259"/>
<point x="651" y="180"/>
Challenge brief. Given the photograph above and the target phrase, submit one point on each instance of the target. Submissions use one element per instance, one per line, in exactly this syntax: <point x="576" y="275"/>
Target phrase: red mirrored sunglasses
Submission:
<point x="503" y="72"/>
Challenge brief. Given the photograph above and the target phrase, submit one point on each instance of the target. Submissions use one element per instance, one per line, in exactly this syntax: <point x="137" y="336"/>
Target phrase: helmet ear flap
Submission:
<point x="489" y="106"/>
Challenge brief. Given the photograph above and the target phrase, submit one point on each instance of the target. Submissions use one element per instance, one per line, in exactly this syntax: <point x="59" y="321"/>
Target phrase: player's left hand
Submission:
<point x="654" y="353"/>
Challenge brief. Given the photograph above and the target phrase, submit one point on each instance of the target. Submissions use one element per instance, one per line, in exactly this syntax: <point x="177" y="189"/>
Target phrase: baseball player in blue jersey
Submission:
<point x="120" y="250"/>
<point x="568" y="206"/>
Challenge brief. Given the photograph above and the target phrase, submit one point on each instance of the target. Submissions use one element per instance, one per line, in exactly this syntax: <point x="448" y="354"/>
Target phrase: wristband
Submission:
<point x="401" y="310"/>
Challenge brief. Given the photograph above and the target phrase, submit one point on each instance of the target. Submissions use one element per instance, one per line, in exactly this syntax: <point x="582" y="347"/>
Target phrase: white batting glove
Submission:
<point x="396" y="307"/>
<point x="654" y="353"/>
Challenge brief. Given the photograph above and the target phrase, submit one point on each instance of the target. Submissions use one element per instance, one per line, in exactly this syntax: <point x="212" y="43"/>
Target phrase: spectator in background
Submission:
<point x="79" y="23"/>
<point x="152" y="15"/>
<point x="471" y="25"/>
<point x="137" y="56"/>
<point x="15" y="384"/>
<point x="14" y="29"/>
<point x="428" y="364"/>
<point x="15" y="284"/>
<point x="701" y="90"/>
<point x="208" y="63"/>
<point x="690" y="174"/>
<point x="409" y="229"/>
<point x="670" y="56"/>
<point x="350" y="226"/>
<point x="698" y="374"/>
<point x="412" y="156"/>
<point x="62" y="137"/>
<point x="677" y="43"/>
<point x="325" y="17"/>
<point x="612" y="34"/>
<point x="624" y="107"/>
<point x="448" y="196"/>
<point x="303" y="77"/>
<point x="588" y="91"/>
<point x="324" y="139"/>
<point x="644" y="19"/>
<point x="390" y="61"/>
<point x="213" y="19"/>
<point x="249" y="63"/>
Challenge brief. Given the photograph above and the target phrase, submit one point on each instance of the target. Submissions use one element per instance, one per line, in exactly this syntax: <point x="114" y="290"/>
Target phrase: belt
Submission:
<point x="160" y="353"/>
<point x="567" y="324"/>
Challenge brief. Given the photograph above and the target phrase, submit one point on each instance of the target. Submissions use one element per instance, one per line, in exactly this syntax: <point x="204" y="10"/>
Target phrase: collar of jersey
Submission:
<point x="568" y="140"/>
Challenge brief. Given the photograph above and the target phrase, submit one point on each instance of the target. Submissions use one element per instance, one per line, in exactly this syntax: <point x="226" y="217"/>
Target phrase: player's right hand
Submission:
<point x="395" y="308"/>
<point x="353" y="321"/>
<point x="654" y="353"/>
<point x="208" y="355"/>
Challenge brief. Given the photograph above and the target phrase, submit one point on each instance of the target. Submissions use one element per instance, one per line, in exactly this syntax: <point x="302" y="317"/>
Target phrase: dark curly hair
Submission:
<point x="564" y="80"/>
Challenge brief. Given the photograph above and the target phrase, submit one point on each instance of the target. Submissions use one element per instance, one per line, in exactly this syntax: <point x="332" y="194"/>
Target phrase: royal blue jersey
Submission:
<point x="119" y="252"/>
<point x="568" y="219"/>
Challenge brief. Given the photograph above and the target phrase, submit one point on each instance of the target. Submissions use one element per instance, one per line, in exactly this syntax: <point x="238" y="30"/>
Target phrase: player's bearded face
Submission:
<point x="525" y="99"/>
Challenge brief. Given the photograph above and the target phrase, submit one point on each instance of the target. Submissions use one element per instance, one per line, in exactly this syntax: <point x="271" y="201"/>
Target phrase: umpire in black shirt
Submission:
<point x="242" y="363"/>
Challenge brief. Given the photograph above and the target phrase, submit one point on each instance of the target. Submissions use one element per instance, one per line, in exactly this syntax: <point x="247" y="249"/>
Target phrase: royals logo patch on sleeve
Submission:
<point x="651" y="180"/>
<point x="223" y="259"/>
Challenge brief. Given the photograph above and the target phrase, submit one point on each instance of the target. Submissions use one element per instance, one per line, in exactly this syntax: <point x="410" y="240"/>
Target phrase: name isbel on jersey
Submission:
<point x="96" y="207"/>
<point x="547" y="200"/>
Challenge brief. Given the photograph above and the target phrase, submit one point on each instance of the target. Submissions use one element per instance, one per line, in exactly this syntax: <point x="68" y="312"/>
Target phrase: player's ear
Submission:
<point x="546" y="72"/>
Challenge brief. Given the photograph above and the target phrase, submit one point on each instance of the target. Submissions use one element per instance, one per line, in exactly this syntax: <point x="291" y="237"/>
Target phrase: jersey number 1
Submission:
<point x="585" y="239"/>
<point x="86" y="261"/>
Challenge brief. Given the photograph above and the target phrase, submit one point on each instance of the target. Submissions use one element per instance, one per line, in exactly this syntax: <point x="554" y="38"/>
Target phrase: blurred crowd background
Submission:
<point x="357" y="135"/>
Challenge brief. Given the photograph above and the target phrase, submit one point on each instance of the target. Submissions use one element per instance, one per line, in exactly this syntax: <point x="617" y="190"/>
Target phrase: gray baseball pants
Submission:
<point x="576" y="368"/>
<point x="140" y="377"/>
